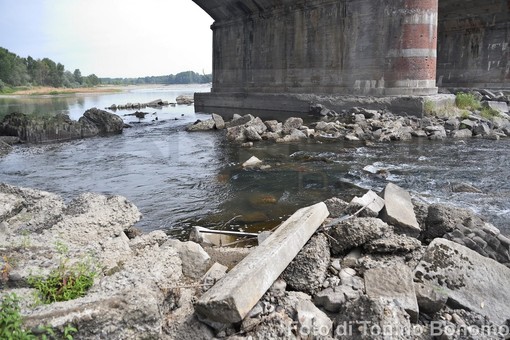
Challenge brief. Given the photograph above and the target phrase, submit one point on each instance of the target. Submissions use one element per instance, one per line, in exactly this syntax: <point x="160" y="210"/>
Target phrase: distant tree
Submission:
<point x="92" y="80"/>
<point x="78" y="77"/>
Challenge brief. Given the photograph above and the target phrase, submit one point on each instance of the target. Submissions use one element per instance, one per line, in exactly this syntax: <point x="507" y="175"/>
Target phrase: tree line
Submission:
<point x="18" y="71"/>
<point x="187" y="77"/>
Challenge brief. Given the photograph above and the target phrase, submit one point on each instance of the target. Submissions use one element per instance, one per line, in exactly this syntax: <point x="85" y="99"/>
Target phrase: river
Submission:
<point x="179" y="179"/>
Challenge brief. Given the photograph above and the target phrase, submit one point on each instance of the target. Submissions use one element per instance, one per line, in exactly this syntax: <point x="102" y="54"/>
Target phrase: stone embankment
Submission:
<point x="359" y="124"/>
<point x="415" y="272"/>
<point x="58" y="128"/>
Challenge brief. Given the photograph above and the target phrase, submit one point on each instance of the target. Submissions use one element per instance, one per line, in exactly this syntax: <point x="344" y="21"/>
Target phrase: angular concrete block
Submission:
<point x="395" y="284"/>
<point x="234" y="296"/>
<point x="399" y="212"/>
<point x="371" y="200"/>
<point x="470" y="280"/>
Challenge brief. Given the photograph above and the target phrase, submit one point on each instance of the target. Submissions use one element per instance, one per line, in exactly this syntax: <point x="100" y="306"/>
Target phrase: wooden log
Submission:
<point x="230" y="300"/>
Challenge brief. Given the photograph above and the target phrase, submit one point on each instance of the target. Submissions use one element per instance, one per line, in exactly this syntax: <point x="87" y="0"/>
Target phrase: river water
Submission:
<point x="179" y="179"/>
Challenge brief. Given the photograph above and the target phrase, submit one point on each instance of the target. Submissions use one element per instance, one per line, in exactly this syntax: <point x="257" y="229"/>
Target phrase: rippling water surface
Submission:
<point x="180" y="179"/>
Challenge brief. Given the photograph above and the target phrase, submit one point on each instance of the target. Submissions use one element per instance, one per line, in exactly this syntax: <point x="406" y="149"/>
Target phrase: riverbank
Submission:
<point x="399" y="267"/>
<point x="53" y="91"/>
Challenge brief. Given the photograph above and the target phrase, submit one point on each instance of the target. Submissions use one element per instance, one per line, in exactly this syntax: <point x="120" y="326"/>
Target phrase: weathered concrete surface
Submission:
<point x="234" y="296"/>
<point x="323" y="46"/>
<point x="395" y="284"/>
<point x="473" y="43"/>
<point x="471" y="280"/>
<point x="399" y="212"/>
<point x="269" y="106"/>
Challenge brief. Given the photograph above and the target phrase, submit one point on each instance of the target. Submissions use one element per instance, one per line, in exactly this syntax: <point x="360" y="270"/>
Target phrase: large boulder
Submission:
<point x="41" y="129"/>
<point x="470" y="280"/>
<point x="106" y="122"/>
<point x="442" y="219"/>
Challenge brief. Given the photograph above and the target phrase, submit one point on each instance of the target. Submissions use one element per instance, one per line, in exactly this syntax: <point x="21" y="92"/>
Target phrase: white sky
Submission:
<point x="111" y="38"/>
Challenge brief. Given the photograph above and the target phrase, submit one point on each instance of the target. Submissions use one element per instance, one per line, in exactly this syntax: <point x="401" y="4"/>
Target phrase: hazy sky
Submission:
<point x="111" y="38"/>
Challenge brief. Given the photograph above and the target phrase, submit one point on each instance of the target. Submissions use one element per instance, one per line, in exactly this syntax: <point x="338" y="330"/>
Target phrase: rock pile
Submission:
<point x="356" y="278"/>
<point x="360" y="124"/>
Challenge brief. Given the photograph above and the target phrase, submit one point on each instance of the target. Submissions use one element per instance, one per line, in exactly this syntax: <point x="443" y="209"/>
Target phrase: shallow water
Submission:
<point x="179" y="179"/>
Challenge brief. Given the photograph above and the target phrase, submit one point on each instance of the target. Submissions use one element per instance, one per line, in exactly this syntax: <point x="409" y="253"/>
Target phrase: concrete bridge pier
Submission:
<point x="276" y="57"/>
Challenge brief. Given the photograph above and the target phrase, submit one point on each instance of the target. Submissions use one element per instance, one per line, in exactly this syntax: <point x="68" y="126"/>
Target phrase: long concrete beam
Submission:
<point x="230" y="300"/>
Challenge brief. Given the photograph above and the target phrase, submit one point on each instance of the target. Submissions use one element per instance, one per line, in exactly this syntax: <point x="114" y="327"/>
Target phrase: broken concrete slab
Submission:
<point x="399" y="212"/>
<point x="234" y="296"/>
<point x="472" y="281"/>
<point x="195" y="261"/>
<point x="312" y="322"/>
<point x="373" y="203"/>
<point x="395" y="284"/>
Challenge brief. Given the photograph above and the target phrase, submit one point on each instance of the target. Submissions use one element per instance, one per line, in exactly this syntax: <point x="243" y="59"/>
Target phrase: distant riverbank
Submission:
<point x="49" y="91"/>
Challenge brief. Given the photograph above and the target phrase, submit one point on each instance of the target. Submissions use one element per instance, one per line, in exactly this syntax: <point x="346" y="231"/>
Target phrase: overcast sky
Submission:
<point x="111" y="38"/>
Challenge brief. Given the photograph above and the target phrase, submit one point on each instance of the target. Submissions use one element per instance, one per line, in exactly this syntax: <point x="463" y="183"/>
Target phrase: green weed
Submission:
<point x="11" y="322"/>
<point x="489" y="113"/>
<point x="66" y="282"/>
<point x="467" y="101"/>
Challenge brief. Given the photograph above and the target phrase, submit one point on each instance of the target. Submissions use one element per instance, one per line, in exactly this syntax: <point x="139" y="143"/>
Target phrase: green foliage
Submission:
<point x="66" y="282"/>
<point x="467" y="101"/>
<point x="429" y="107"/>
<point x="489" y="113"/>
<point x="11" y="322"/>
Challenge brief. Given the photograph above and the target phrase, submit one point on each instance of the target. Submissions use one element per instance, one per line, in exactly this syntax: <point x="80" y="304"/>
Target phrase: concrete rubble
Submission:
<point x="355" y="279"/>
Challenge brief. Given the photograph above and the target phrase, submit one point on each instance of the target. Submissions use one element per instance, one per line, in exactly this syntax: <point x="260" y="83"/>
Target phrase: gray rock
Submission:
<point x="239" y="121"/>
<point x="336" y="206"/>
<point x="394" y="284"/>
<point x="393" y="244"/>
<point x="442" y="219"/>
<point x="273" y="125"/>
<point x="219" y="123"/>
<point x="452" y="124"/>
<point x="500" y="107"/>
<point x="468" y="124"/>
<point x="251" y="134"/>
<point x="294" y="136"/>
<point x="106" y="122"/>
<point x="257" y="124"/>
<point x="9" y="205"/>
<point x="355" y="232"/>
<point x="365" y="319"/>
<point x="202" y="125"/>
<point x="312" y="322"/>
<point x="430" y="299"/>
<point x="471" y="281"/>
<point x="465" y="187"/>
<point x="308" y="269"/>
<point x="463" y="133"/>
<point x="195" y="261"/>
<point x="291" y="124"/>
<point x="236" y="134"/>
<point x="331" y="299"/>
<point x="482" y="129"/>
<point x="399" y="212"/>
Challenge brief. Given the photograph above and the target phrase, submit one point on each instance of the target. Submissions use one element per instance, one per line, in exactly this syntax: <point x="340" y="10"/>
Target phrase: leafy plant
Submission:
<point x="11" y="322"/>
<point x="467" y="101"/>
<point x="66" y="282"/>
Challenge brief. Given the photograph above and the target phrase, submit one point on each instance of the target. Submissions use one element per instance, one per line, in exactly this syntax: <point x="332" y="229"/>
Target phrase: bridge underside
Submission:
<point x="267" y="52"/>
